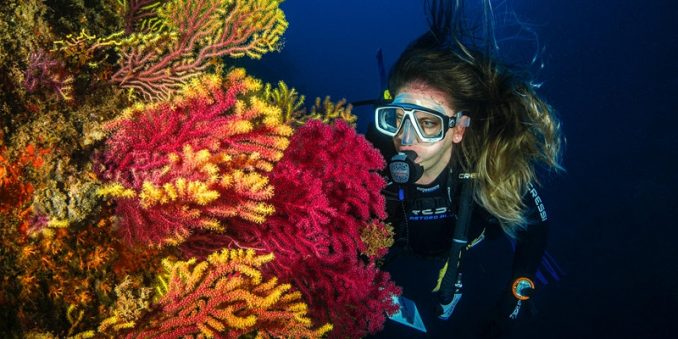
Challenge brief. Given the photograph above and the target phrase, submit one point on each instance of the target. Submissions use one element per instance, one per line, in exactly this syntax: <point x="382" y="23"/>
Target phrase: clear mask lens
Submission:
<point x="429" y="126"/>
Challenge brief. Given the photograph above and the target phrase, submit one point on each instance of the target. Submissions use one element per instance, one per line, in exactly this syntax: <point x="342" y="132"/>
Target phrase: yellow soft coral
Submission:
<point x="377" y="238"/>
<point x="287" y="99"/>
<point x="132" y="302"/>
<point x="327" y="111"/>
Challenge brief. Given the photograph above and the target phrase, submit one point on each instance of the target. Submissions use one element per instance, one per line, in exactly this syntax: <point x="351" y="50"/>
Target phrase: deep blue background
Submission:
<point x="610" y="71"/>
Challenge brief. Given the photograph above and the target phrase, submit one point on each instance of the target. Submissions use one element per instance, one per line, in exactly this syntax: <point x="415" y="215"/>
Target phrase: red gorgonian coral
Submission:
<point x="326" y="192"/>
<point x="224" y="296"/>
<point x="192" y="163"/>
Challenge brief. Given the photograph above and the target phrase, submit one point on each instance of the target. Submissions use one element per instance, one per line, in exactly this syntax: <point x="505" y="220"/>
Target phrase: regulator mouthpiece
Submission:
<point x="403" y="169"/>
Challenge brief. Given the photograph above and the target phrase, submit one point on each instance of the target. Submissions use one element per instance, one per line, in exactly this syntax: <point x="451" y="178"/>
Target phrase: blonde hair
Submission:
<point x="517" y="132"/>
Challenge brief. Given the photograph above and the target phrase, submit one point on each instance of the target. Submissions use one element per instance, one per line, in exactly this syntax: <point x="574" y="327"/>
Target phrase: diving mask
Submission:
<point x="412" y="114"/>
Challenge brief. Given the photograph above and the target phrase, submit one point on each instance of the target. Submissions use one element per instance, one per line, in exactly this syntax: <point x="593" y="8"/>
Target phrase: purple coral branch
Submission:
<point x="44" y="71"/>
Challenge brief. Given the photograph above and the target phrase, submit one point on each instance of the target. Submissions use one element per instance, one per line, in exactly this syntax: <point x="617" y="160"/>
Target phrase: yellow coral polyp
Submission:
<point x="226" y="181"/>
<point x="189" y="191"/>
<point x="199" y="87"/>
<point x="253" y="182"/>
<point x="199" y="157"/>
<point x="211" y="224"/>
<point x="239" y="108"/>
<point x="272" y="114"/>
<point x="173" y="158"/>
<point x="252" y="84"/>
<point x="256" y="212"/>
<point x="202" y="161"/>
<point x="212" y="171"/>
<point x="296" y="295"/>
<point x="264" y="166"/>
<point x="57" y="223"/>
<point x="284" y="130"/>
<point x="196" y="276"/>
<point x="250" y="272"/>
<point x="286" y="98"/>
<point x="281" y="143"/>
<point x="273" y="297"/>
<point x="116" y="323"/>
<point x="236" y="75"/>
<point x="151" y="195"/>
<point x="116" y="190"/>
<point x="170" y="191"/>
<point x="240" y="322"/>
<point x="200" y="193"/>
<point x="323" y="330"/>
<point x="298" y="307"/>
<point x="263" y="208"/>
<point x="238" y="127"/>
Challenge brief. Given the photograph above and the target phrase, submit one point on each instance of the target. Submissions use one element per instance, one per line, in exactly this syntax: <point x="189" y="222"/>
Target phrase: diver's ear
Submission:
<point x="459" y="128"/>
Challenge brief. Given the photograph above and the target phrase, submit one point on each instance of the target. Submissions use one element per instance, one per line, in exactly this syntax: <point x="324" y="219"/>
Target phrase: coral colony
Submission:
<point x="150" y="189"/>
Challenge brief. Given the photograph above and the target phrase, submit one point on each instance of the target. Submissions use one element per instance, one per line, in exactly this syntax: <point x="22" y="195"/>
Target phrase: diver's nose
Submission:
<point x="408" y="136"/>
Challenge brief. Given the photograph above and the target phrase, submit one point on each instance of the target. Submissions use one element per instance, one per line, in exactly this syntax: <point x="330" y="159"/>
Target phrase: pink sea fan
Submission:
<point x="195" y="162"/>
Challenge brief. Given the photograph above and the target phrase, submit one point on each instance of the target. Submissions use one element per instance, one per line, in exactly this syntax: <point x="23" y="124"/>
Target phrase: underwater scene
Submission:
<point x="200" y="168"/>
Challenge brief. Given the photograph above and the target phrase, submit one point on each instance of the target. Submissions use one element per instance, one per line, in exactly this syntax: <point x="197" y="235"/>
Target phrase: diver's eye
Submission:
<point x="399" y="119"/>
<point x="427" y="123"/>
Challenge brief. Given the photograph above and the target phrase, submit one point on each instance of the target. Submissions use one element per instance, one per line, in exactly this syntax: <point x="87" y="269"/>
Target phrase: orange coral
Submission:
<point x="378" y="238"/>
<point x="14" y="192"/>
<point x="75" y="265"/>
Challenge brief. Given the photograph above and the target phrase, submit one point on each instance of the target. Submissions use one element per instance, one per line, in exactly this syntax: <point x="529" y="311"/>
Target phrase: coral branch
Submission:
<point x="228" y="295"/>
<point x="327" y="111"/>
<point x="138" y="14"/>
<point x="189" y="34"/>
<point x="286" y="98"/>
<point x="46" y="72"/>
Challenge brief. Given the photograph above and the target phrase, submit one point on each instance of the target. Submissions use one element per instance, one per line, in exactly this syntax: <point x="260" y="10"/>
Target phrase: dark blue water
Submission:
<point x="610" y="71"/>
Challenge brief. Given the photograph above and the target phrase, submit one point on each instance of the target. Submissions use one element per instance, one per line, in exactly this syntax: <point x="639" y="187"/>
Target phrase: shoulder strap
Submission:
<point x="450" y="281"/>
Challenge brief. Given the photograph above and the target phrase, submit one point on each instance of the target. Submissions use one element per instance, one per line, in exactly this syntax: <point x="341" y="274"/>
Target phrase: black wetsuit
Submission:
<point x="424" y="222"/>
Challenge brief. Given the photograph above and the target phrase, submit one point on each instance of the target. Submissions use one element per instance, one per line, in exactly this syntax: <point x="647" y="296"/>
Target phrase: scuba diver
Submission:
<point x="465" y="136"/>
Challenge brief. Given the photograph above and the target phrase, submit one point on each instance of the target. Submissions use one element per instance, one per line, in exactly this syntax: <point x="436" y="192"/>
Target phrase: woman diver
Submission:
<point x="468" y="134"/>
